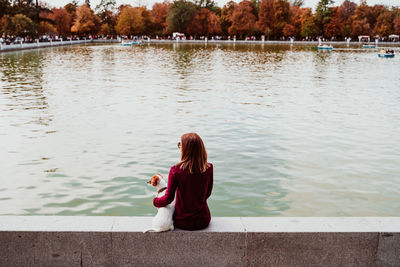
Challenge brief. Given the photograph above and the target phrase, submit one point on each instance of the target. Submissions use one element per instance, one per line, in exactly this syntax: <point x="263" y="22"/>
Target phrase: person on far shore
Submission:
<point x="192" y="180"/>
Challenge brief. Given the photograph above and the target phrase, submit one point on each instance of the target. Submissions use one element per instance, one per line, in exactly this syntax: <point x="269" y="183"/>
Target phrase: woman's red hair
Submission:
<point x="194" y="154"/>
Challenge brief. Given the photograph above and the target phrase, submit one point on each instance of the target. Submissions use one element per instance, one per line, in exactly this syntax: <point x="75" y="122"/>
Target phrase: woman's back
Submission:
<point x="192" y="192"/>
<point x="192" y="180"/>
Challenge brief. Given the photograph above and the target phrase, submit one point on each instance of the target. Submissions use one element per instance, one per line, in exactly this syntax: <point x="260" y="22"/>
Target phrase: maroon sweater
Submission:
<point x="192" y="191"/>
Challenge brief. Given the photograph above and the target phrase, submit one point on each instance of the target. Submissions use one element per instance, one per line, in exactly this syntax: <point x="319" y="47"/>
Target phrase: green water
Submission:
<point x="291" y="131"/>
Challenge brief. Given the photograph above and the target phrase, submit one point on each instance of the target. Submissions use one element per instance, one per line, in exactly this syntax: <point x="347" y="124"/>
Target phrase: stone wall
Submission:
<point x="228" y="241"/>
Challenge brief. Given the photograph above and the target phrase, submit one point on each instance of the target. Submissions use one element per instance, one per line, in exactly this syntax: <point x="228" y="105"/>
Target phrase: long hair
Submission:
<point x="194" y="154"/>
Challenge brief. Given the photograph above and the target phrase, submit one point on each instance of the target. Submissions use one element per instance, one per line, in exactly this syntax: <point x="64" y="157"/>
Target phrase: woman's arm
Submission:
<point x="210" y="184"/>
<point x="169" y="196"/>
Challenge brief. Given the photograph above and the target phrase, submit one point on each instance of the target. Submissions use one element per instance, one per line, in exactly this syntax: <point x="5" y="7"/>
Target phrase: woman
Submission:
<point x="192" y="178"/>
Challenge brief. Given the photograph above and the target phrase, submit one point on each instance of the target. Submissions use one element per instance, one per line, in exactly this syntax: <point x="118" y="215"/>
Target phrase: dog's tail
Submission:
<point x="152" y="230"/>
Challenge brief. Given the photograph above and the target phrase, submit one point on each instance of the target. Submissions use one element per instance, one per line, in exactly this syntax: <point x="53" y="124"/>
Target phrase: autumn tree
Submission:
<point x="225" y="19"/>
<point x="208" y="4"/>
<point x="159" y="12"/>
<point x="204" y="22"/>
<point x="62" y="21"/>
<point x="243" y="19"/>
<point x="180" y="14"/>
<point x="105" y="11"/>
<point x="289" y="30"/>
<point x="335" y="27"/>
<point x="19" y="25"/>
<point x="323" y="14"/>
<point x="86" y="22"/>
<point x="346" y="12"/>
<point x="134" y="21"/>
<point x="309" y="28"/>
<point x="273" y="16"/>
<point x="384" y="25"/>
<point x="396" y="25"/>
<point x="298" y="18"/>
<point x="46" y="28"/>
<point x="5" y="6"/>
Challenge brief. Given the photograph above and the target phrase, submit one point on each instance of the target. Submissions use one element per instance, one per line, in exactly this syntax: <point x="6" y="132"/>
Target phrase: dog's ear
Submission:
<point x="154" y="180"/>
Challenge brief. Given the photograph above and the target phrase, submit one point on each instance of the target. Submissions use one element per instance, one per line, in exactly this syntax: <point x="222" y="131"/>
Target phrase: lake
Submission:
<point x="291" y="131"/>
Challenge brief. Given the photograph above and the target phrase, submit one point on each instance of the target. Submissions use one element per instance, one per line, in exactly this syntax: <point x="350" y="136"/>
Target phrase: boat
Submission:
<point x="126" y="43"/>
<point x="130" y="43"/>
<point x="369" y="46"/>
<point x="325" y="47"/>
<point x="387" y="53"/>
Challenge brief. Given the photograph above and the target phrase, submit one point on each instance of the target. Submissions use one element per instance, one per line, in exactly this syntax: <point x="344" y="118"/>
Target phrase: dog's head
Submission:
<point x="155" y="180"/>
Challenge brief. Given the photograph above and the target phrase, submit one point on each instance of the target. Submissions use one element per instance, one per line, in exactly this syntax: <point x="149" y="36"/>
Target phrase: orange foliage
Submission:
<point x="46" y="28"/>
<point x="226" y="16"/>
<point x="243" y="19"/>
<point x="273" y="16"/>
<point x="335" y="27"/>
<point x="396" y="25"/>
<point x="289" y="30"/>
<point x="204" y="22"/>
<point x="134" y="20"/>
<point x="62" y="21"/>
<point x="383" y="26"/>
<point x="86" y="22"/>
<point x="159" y="13"/>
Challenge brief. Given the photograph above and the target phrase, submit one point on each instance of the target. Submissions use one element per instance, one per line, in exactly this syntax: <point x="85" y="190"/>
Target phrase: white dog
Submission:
<point x="163" y="220"/>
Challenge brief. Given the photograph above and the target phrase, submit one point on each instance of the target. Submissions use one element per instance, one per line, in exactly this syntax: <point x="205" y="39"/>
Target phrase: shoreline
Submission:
<point x="27" y="46"/>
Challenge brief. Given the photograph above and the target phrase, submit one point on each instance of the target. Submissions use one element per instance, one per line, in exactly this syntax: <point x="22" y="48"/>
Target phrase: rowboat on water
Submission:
<point x="325" y="47"/>
<point x="369" y="46"/>
<point x="386" y="55"/>
<point x="130" y="43"/>
<point x="126" y="43"/>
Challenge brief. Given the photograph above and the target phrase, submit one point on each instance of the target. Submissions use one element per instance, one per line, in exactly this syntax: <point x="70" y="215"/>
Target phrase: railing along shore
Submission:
<point x="228" y="241"/>
<point x="23" y="46"/>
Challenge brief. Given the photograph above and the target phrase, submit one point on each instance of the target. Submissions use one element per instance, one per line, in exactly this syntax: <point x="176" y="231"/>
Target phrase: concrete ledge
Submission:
<point x="228" y="241"/>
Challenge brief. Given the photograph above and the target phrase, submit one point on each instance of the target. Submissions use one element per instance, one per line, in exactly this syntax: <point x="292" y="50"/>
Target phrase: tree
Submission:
<point x="19" y="25"/>
<point x="226" y="17"/>
<point x="86" y="22"/>
<point x="309" y="28"/>
<point x="396" y="25"/>
<point x="346" y="13"/>
<point x="273" y="15"/>
<point x="384" y="25"/>
<point x="105" y="11"/>
<point x="4" y="8"/>
<point x="204" y="22"/>
<point x="360" y="27"/>
<point x="266" y="15"/>
<point x="208" y="4"/>
<point x="134" y="21"/>
<point x="70" y="8"/>
<point x="243" y="19"/>
<point x="335" y="27"/>
<point x="46" y="28"/>
<point x="180" y="14"/>
<point x="159" y="13"/>
<point x="298" y="3"/>
<point x="323" y="14"/>
<point x="62" y="21"/>
<point x="289" y="30"/>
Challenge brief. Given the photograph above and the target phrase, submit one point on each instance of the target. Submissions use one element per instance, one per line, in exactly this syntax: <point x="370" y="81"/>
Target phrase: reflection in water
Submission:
<point x="22" y="84"/>
<point x="291" y="131"/>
